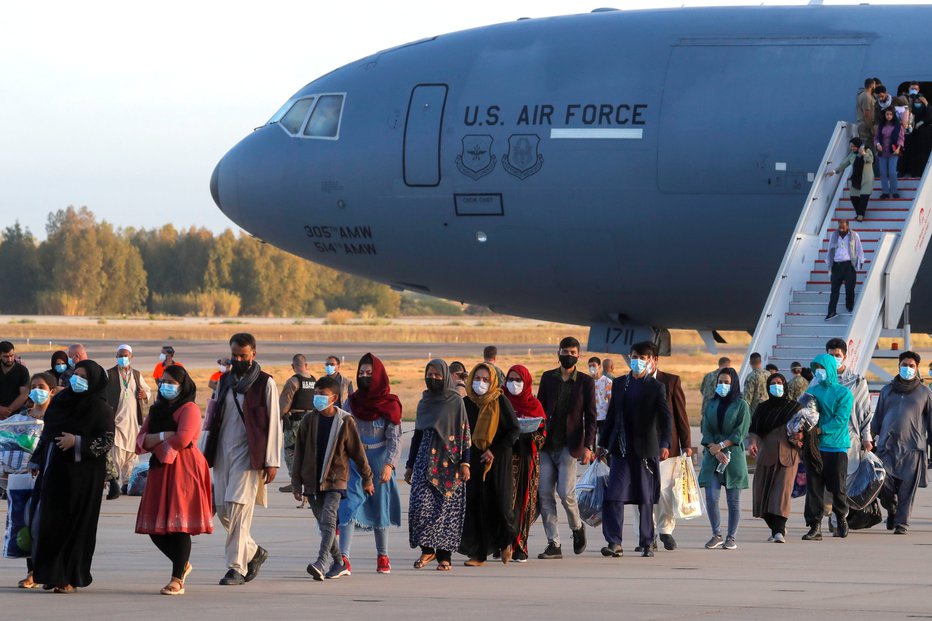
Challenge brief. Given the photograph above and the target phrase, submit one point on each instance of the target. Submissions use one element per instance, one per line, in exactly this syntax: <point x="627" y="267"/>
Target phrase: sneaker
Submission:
<point x="553" y="551"/>
<point x="316" y="569"/>
<point x="831" y="316"/>
<point x="899" y="530"/>
<point x="520" y="556"/>
<point x="233" y="577"/>
<point x="779" y="538"/>
<point x="730" y="544"/>
<point x="286" y="489"/>
<point x="337" y="570"/>
<point x="252" y="570"/>
<point x="669" y="543"/>
<point x="715" y="542"/>
<point x="841" y="530"/>
<point x="579" y="540"/>
<point x="114" y="490"/>
<point x="613" y="550"/>
<point x="770" y="539"/>
<point x="382" y="565"/>
<point x="349" y="568"/>
<point x="814" y="534"/>
<point x="647" y="551"/>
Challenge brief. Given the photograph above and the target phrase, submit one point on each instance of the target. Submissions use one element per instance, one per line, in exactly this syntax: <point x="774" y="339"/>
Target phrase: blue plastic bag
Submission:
<point x="590" y="492"/>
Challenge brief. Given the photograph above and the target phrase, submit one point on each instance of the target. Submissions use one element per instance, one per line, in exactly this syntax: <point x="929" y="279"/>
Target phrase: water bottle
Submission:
<point x="722" y="465"/>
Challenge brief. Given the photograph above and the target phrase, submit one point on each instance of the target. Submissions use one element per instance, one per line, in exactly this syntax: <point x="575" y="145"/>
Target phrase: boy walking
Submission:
<point x="326" y="442"/>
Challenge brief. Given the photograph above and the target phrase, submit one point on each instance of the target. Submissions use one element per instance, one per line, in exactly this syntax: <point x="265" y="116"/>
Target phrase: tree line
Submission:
<point x="89" y="267"/>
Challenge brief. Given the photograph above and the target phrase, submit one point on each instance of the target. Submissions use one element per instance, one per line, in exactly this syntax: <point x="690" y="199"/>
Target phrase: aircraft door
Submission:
<point x="423" y="126"/>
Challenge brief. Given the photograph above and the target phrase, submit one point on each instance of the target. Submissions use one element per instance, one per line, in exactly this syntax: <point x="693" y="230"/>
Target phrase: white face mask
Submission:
<point x="162" y="357"/>
<point x="223" y="369"/>
<point x="515" y="387"/>
<point x="593" y="370"/>
<point x="480" y="388"/>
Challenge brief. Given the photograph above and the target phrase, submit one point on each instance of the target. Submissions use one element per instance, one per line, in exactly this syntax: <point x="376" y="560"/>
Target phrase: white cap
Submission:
<point x="126" y="347"/>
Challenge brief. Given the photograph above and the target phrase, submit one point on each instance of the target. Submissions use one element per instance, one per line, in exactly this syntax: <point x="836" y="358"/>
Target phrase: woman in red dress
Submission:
<point x="176" y="502"/>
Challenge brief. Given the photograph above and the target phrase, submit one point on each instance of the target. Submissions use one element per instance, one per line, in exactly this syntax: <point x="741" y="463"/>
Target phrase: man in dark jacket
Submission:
<point x="568" y="398"/>
<point x="638" y="433"/>
<point x="680" y="444"/>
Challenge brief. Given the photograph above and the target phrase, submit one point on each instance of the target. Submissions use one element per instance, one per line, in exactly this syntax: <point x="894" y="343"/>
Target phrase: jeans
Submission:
<point x="712" y="495"/>
<point x="888" y="180"/>
<point x="346" y="539"/>
<point x="325" y="507"/>
<point x="558" y="476"/>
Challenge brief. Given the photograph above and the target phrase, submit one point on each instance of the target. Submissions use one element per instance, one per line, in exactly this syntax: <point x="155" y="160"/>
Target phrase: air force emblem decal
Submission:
<point x="523" y="158"/>
<point x="476" y="159"/>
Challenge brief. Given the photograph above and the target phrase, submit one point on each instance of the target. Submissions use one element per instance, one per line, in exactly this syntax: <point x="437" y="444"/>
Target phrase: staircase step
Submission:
<point x="825" y="262"/>
<point x="823" y="329"/>
<point x="827" y="286"/>
<point x="818" y="273"/>
<point x="875" y="229"/>
<point x="873" y="209"/>
<point x="871" y="219"/>
<point x="803" y="354"/>
<point x="863" y="244"/>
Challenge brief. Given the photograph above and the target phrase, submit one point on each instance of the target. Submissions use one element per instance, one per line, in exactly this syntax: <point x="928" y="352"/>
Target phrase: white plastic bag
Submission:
<point x="687" y="497"/>
<point x="590" y="492"/>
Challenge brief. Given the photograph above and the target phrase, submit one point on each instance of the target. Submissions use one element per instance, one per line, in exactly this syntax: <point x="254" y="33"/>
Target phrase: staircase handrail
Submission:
<point x="805" y="244"/>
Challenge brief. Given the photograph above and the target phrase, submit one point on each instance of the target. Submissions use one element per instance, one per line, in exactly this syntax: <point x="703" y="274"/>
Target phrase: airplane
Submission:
<point x="626" y="170"/>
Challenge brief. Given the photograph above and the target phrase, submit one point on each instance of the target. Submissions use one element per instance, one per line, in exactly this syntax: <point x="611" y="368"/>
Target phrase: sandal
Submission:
<point x="27" y="582"/>
<point x="424" y="560"/>
<point x="63" y="589"/>
<point x="444" y="566"/>
<point x="187" y="572"/>
<point x="175" y="587"/>
<point x="474" y="562"/>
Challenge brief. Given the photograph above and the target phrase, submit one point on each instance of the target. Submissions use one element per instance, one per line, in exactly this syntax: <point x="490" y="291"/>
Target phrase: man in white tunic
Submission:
<point x="127" y="394"/>
<point x="244" y="447"/>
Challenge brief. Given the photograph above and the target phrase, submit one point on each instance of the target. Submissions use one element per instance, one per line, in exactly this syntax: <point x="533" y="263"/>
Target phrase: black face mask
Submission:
<point x="567" y="361"/>
<point x="364" y="383"/>
<point x="434" y="385"/>
<point x="240" y="367"/>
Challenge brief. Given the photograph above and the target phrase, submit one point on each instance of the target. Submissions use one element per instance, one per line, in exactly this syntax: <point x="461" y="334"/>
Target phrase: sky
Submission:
<point x="126" y="107"/>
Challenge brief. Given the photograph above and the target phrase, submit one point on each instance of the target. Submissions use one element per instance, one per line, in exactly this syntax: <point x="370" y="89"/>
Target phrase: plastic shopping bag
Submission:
<point x="590" y="492"/>
<point x="687" y="498"/>
<point x="865" y="484"/>
<point x="137" y="480"/>
<point x="800" y="483"/>
<point x="17" y="542"/>
<point x="860" y="519"/>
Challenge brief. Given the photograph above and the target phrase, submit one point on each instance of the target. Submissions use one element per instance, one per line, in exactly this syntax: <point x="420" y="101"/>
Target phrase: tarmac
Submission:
<point x="872" y="574"/>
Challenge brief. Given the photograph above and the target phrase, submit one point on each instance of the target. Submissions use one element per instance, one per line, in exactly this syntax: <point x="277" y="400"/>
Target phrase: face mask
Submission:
<point x="907" y="373"/>
<point x="913" y="91"/>
<point x="364" y="383"/>
<point x="593" y="370"/>
<point x="239" y="367"/>
<point x="567" y="361"/>
<point x="722" y="390"/>
<point x="123" y="361"/>
<point x="321" y="402"/>
<point x="821" y="374"/>
<point x="637" y="366"/>
<point x="434" y="384"/>
<point x="162" y="357"/>
<point x="329" y="369"/>
<point x="39" y="396"/>
<point x="78" y="383"/>
<point x="223" y="369"/>
<point x="839" y="362"/>
<point x="169" y="391"/>
<point x="71" y="362"/>
<point x="480" y="388"/>
<point x="60" y="368"/>
<point x="515" y="388"/>
<point x="776" y="390"/>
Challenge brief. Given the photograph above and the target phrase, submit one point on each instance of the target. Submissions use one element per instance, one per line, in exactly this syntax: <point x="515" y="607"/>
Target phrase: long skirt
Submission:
<point x="378" y="511"/>
<point x="434" y="520"/>
<point x="526" y="471"/>
<point x="490" y="520"/>
<point x="177" y="497"/>
<point x="775" y="475"/>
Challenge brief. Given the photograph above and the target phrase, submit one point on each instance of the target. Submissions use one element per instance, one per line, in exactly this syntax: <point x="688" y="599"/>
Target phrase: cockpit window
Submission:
<point x="294" y="118"/>
<point x="325" y="119"/>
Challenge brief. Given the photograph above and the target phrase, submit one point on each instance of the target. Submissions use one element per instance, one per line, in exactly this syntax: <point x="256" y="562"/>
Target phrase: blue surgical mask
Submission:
<point x="78" y="383"/>
<point x="913" y="91"/>
<point x="123" y="361"/>
<point x="776" y="390"/>
<point x="637" y="366"/>
<point x="722" y="390"/>
<point x="330" y="369"/>
<point x="60" y="368"/>
<point x="70" y="363"/>
<point x="907" y="373"/>
<point x="169" y="391"/>
<point x="821" y="374"/>
<point x="321" y="402"/>
<point x="39" y="396"/>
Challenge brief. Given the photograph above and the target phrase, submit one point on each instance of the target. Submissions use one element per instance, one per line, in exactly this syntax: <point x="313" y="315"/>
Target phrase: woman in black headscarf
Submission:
<point x="59" y="365"/>
<point x="176" y="502"/>
<point x="777" y="459"/>
<point x="437" y="468"/>
<point x="71" y="459"/>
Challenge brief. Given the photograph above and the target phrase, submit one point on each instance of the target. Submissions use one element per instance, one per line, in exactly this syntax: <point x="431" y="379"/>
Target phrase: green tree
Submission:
<point x="124" y="277"/>
<point x="19" y="257"/>
<point x="71" y="264"/>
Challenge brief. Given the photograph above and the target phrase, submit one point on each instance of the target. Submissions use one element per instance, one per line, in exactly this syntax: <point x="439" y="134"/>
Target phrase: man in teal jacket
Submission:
<point x="835" y="404"/>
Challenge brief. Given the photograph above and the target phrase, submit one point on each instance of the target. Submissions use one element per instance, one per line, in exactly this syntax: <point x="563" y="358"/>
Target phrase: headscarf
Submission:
<point x="67" y="405"/>
<point x="63" y="357"/>
<point x="445" y="413"/>
<point x="774" y="412"/>
<point x="161" y="414"/>
<point x="489" y="411"/>
<point x="378" y="400"/>
<point x="243" y="384"/>
<point x="526" y="404"/>
<point x="857" y="170"/>
<point x="735" y="393"/>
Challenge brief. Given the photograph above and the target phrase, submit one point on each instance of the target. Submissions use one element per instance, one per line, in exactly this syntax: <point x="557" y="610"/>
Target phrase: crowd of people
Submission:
<point x="489" y="452"/>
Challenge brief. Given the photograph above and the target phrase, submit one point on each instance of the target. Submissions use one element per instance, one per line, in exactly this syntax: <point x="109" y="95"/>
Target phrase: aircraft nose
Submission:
<point x="215" y="186"/>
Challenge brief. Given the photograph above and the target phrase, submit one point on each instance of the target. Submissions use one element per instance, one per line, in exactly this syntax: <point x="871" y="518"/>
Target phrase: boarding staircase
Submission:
<point x="894" y="234"/>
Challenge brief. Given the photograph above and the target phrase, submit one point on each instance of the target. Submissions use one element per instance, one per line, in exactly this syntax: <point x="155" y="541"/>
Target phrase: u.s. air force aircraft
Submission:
<point x="626" y="170"/>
